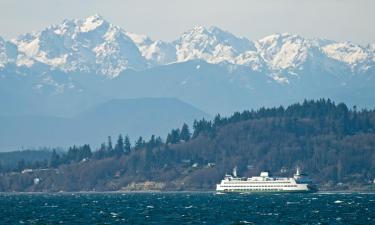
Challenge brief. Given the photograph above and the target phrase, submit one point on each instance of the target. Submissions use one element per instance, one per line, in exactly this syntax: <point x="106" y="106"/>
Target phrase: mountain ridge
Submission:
<point x="92" y="44"/>
<point x="79" y="63"/>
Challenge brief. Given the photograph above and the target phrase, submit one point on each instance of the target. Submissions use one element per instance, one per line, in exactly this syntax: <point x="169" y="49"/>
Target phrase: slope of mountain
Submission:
<point x="39" y="91"/>
<point x="3" y="53"/>
<point x="219" y="88"/>
<point x="85" y="45"/>
<point x="93" y="45"/>
<point x="212" y="45"/>
<point x="8" y="53"/>
<point x="359" y="59"/>
<point x="214" y="88"/>
<point x="155" y="52"/>
<point x="134" y="117"/>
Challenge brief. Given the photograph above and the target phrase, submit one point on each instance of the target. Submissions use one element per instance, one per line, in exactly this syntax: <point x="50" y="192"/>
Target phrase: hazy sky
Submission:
<point x="352" y="20"/>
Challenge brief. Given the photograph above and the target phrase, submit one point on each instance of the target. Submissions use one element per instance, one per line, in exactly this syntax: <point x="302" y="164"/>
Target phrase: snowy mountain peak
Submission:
<point x="89" y="45"/>
<point x="92" y="22"/>
<point x="286" y="51"/>
<point x="93" y="45"/>
<point x="347" y="52"/>
<point x="213" y="45"/>
<point x="155" y="52"/>
<point x="140" y="39"/>
<point x="198" y="29"/>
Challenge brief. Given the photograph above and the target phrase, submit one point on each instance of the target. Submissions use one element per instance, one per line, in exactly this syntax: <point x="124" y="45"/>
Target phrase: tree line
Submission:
<point x="331" y="141"/>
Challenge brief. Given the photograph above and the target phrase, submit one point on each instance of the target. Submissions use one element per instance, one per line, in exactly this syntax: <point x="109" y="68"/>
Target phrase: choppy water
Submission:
<point x="187" y="208"/>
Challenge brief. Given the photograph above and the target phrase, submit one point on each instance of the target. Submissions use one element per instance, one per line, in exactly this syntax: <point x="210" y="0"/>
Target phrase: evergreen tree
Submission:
<point x="173" y="137"/>
<point x="185" y="132"/>
<point x="139" y="143"/>
<point x="72" y="154"/>
<point x="159" y="141"/>
<point x="119" y="147"/>
<point x="54" y="160"/>
<point x="21" y="165"/>
<point x="110" y="147"/>
<point x="204" y="126"/>
<point x="84" y="152"/>
<point x="127" y="144"/>
<point x="101" y="153"/>
<point x="152" y="143"/>
<point x="79" y="153"/>
<point x="217" y="120"/>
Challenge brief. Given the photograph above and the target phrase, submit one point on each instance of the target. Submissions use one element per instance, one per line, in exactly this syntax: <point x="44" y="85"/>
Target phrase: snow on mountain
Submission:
<point x="251" y="59"/>
<point x="286" y="51"/>
<point x="156" y="52"/>
<point x="49" y="84"/>
<point x="212" y="45"/>
<point x="3" y="55"/>
<point x="8" y="52"/>
<point x="93" y="45"/>
<point x="87" y="45"/>
<point x="355" y="56"/>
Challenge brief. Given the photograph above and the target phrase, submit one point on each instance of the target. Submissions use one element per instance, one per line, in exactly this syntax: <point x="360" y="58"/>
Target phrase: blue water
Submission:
<point x="187" y="208"/>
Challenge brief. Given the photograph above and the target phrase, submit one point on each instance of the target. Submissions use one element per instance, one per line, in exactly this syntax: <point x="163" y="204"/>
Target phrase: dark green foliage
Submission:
<point x="54" y="160"/>
<point x="331" y="142"/>
<point x="102" y="152"/>
<point x="173" y="137"/>
<point x="177" y="135"/>
<point x="185" y="133"/>
<point x="21" y="165"/>
<point x="202" y="127"/>
<point x="9" y="160"/>
<point x="119" y="147"/>
<point x="140" y="143"/>
<point x="109" y="145"/>
<point x="154" y="142"/>
<point x="127" y="144"/>
<point x="76" y="154"/>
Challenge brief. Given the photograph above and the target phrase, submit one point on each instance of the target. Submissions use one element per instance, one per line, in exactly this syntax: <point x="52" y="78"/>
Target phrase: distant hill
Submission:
<point x="333" y="144"/>
<point x="9" y="160"/>
<point x="133" y="117"/>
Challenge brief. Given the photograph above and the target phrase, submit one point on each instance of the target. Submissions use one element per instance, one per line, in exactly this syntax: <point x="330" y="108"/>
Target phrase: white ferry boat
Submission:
<point x="264" y="183"/>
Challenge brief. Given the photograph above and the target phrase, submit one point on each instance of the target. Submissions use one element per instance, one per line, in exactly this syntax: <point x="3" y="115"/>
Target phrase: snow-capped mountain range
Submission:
<point x="67" y="69"/>
<point x="93" y="45"/>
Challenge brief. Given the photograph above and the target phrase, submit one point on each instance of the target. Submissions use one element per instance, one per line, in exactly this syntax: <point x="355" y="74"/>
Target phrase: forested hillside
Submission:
<point x="333" y="144"/>
<point x="14" y="160"/>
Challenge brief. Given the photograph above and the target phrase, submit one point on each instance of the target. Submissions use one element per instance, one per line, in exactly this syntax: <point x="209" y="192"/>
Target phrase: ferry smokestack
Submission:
<point x="235" y="171"/>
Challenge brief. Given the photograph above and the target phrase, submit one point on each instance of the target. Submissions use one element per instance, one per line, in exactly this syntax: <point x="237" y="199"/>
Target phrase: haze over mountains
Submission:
<point x="136" y="117"/>
<point x="70" y="67"/>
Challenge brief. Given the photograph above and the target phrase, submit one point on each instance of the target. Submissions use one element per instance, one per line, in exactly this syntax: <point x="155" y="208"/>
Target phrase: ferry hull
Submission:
<point x="266" y="191"/>
<point x="306" y="189"/>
